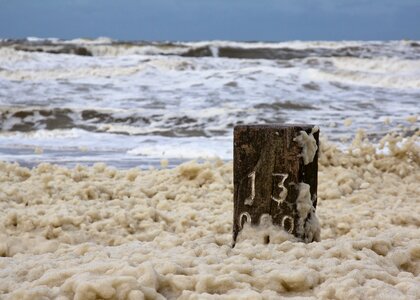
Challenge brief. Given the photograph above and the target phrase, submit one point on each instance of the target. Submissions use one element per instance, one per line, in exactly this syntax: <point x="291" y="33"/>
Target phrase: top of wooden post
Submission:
<point x="275" y="125"/>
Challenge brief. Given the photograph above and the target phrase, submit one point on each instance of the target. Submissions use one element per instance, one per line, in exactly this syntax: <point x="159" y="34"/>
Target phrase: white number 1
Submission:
<point x="250" y="199"/>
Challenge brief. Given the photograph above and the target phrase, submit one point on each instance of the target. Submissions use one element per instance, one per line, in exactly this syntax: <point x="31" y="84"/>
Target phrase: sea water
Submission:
<point x="135" y="103"/>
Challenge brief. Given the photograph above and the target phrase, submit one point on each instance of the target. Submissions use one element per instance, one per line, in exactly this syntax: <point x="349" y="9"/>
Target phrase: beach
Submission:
<point x="103" y="233"/>
<point x="116" y="173"/>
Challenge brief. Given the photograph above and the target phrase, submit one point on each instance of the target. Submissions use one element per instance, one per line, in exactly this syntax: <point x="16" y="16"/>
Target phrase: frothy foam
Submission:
<point x="107" y="233"/>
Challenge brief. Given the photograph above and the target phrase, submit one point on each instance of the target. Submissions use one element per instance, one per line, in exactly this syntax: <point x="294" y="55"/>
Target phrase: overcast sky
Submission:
<point x="266" y="20"/>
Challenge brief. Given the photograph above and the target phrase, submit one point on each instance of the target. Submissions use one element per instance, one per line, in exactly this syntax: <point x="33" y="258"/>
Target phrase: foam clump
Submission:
<point x="264" y="233"/>
<point x="310" y="229"/>
<point x="102" y="233"/>
<point x="308" y="144"/>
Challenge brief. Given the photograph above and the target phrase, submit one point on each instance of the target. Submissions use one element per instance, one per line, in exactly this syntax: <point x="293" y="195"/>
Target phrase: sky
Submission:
<point x="192" y="20"/>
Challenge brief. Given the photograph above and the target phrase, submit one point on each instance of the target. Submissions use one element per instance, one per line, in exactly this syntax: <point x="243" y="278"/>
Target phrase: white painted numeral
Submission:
<point x="247" y="219"/>
<point x="250" y="199"/>
<point x="283" y="194"/>
<point x="290" y="219"/>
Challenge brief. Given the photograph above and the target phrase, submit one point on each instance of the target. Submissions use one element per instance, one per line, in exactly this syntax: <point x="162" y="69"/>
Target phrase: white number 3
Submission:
<point x="283" y="192"/>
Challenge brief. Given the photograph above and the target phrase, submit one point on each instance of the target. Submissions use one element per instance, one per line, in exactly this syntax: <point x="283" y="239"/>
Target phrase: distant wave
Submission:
<point x="95" y="120"/>
<point x="131" y="122"/>
<point x="242" y="50"/>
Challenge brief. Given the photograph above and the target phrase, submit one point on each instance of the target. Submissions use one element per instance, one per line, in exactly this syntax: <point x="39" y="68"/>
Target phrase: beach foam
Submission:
<point x="99" y="232"/>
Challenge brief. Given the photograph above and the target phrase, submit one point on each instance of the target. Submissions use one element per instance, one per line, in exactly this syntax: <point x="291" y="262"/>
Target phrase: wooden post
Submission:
<point x="273" y="166"/>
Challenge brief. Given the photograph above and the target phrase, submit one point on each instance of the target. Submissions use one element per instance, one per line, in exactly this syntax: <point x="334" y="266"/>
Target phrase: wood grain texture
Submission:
<point x="263" y="154"/>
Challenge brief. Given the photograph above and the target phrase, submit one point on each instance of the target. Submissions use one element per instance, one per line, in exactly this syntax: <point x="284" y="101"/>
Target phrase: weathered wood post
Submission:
<point x="276" y="173"/>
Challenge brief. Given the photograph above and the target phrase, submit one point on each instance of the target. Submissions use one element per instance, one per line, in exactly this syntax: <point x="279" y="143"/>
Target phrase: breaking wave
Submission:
<point x="165" y="99"/>
<point x="242" y="50"/>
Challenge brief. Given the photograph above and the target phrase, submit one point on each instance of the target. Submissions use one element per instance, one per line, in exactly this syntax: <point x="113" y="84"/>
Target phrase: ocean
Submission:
<point x="132" y="104"/>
